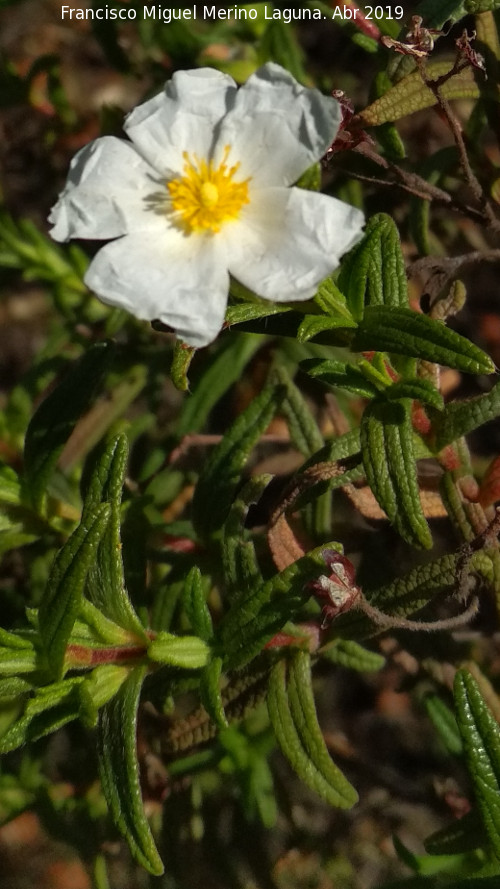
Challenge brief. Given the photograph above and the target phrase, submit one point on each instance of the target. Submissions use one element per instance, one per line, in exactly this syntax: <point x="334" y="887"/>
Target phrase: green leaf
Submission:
<point x="297" y="731"/>
<point x="224" y="368"/>
<point x="119" y="770"/>
<point x="340" y="374"/>
<point x="461" y="417"/>
<point x="352" y="656"/>
<point x="62" y="602"/>
<point x="411" y="94"/>
<point x="185" y="652"/>
<point x="374" y="271"/>
<point x="475" y="7"/>
<point x="389" y="462"/>
<point x="195" y="604"/>
<point x="106" y="579"/>
<point x="51" y="707"/>
<point x="463" y="835"/>
<point x="217" y="485"/>
<point x="257" y="615"/>
<point x="312" y="325"/>
<point x="210" y="692"/>
<point x="419" y="390"/>
<point x="409" y="333"/>
<point x="303" y="428"/>
<point x="54" y="420"/>
<point x="445" y="723"/>
<point x="481" y="739"/>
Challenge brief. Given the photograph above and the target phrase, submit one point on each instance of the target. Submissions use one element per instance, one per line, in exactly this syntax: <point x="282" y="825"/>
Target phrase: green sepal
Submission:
<point x="195" y="604"/>
<point x="352" y="656"/>
<point x="310" y="179"/>
<point x="106" y="583"/>
<point x="55" y="419"/>
<point x="461" y="417"/>
<point x="210" y="692"/>
<point x="405" y="332"/>
<point x="411" y="94"/>
<point x="481" y="739"/>
<point x="293" y="717"/>
<point x="218" y="483"/>
<point x="404" y="595"/>
<point x="181" y="362"/>
<point x="119" y="770"/>
<point x="389" y="462"/>
<point x="62" y="602"/>
<point x="184" y="652"/>
<point x="374" y="271"/>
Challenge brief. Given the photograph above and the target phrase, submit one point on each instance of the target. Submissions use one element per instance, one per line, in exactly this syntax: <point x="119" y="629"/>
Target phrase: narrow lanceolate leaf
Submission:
<point x="341" y="375"/>
<point x="239" y="561"/>
<point x="210" y="692"/>
<point x="411" y="94"/>
<point x="374" y="272"/>
<point x="253" y="619"/>
<point x="54" y="421"/>
<point x="389" y="462"/>
<point x="218" y="483"/>
<point x="184" y="652"/>
<point x="106" y="579"/>
<point x="481" y="738"/>
<point x="409" y="333"/>
<point x="304" y="431"/>
<point x="50" y="708"/>
<point x="223" y="370"/>
<point x="61" y="604"/>
<point x="349" y="654"/>
<point x="445" y="723"/>
<point x="119" y="771"/>
<point x="181" y="360"/>
<point x="195" y="604"/>
<point x="299" y="735"/>
<point x="461" y="417"/>
<point x="419" y="390"/>
<point x="461" y="836"/>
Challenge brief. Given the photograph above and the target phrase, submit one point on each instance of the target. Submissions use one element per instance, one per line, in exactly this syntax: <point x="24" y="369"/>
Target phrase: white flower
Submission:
<point x="203" y="190"/>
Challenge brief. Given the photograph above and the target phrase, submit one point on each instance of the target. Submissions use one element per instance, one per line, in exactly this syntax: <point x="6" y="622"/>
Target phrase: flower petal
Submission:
<point x="278" y="128"/>
<point x="288" y="240"/>
<point x="181" y="281"/>
<point x="108" y="184"/>
<point x="181" y="118"/>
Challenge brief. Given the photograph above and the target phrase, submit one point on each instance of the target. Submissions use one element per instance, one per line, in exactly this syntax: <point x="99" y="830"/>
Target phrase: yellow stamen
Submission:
<point x="205" y="197"/>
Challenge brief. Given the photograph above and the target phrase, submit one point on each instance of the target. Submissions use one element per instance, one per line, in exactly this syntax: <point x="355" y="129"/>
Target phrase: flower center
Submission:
<point x="205" y="196"/>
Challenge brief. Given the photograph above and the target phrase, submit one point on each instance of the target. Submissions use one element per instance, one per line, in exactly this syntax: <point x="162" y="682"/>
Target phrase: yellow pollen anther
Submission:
<point x="205" y="197"/>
